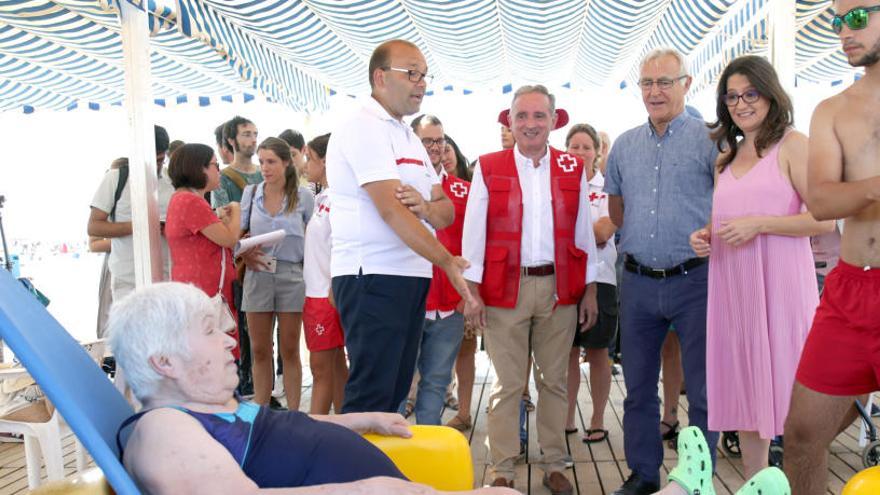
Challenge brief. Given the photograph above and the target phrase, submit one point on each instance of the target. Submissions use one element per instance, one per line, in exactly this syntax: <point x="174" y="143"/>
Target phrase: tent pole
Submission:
<point x="142" y="158"/>
<point x="782" y="32"/>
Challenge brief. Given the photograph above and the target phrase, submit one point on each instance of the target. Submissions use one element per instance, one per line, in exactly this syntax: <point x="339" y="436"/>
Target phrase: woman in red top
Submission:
<point x="197" y="238"/>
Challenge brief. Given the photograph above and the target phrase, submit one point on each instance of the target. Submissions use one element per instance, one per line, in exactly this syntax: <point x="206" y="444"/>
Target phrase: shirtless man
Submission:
<point x="840" y="360"/>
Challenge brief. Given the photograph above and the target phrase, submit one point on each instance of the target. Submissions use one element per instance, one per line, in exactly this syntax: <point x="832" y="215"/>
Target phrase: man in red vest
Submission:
<point x="529" y="238"/>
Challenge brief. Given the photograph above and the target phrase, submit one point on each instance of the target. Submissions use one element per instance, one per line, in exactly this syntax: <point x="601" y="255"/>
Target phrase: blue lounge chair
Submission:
<point x="69" y="377"/>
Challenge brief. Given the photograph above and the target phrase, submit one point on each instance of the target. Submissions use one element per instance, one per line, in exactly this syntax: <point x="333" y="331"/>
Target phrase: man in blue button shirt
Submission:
<point x="660" y="179"/>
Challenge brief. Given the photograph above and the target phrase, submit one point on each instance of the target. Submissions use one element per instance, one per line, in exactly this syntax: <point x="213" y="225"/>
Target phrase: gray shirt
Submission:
<point x="666" y="183"/>
<point x="259" y="221"/>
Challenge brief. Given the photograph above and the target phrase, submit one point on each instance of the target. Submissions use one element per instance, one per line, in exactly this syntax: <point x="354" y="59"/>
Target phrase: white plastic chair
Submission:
<point x="42" y="440"/>
<point x="41" y="426"/>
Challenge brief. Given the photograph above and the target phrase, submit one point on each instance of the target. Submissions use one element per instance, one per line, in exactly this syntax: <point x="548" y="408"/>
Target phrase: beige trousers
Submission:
<point x="509" y="334"/>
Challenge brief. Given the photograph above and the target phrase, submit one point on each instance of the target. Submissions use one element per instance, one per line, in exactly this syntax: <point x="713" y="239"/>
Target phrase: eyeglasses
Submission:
<point x="749" y="96"/>
<point x="855" y="19"/>
<point x="428" y="142"/>
<point x="663" y="83"/>
<point x="413" y="75"/>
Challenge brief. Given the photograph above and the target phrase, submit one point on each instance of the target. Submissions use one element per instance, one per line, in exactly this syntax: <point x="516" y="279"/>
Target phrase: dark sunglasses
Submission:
<point x="855" y="19"/>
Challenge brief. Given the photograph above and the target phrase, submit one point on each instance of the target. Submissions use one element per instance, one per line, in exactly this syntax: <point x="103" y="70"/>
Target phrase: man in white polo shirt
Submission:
<point x="387" y="201"/>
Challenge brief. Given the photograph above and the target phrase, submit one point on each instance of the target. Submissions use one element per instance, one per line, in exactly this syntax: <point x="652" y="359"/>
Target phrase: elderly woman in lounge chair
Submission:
<point x="194" y="436"/>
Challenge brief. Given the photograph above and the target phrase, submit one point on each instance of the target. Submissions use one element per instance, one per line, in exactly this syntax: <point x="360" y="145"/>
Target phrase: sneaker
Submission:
<point x="569" y="462"/>
<point x="774" y="457"/>
<point x="275" y="404"/>
<point x="278" y="388"/>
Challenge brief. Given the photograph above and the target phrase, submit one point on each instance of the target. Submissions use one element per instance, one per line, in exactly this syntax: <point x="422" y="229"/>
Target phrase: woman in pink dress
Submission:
<point x="762" y="291"/>
<point x="197" y="238"/>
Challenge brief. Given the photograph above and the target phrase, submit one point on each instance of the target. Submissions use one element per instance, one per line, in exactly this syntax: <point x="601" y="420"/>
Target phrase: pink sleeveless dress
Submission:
<point x="762" y="297"/>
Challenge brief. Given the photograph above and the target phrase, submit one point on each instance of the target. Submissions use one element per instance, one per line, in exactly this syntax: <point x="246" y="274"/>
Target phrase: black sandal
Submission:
<point x="672" y="432"/>
<point x="586" y="438"/>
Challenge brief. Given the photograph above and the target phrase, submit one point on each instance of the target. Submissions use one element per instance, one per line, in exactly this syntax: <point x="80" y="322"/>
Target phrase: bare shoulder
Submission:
<point x="159" y="430"/>
<point x="170" y="452"/>
<point x="828" y="108"/>
<point x="795" y="141"/>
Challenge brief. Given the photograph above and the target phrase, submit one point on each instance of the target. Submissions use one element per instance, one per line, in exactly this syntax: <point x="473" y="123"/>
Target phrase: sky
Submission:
<point x="54" y="161"/>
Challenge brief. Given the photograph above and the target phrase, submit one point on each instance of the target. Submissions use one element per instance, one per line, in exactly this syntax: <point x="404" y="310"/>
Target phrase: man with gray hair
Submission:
<point x="531" y="265"/>
<point x="659" y="181"/>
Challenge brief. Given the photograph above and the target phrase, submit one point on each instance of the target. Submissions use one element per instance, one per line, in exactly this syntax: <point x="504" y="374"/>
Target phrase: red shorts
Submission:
<point x="322" y="326"/>
<point x="842" y="353"/>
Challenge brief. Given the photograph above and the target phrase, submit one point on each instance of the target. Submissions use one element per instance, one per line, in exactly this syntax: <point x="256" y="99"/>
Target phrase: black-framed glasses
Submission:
<point x="428" y="142"/>
<point x="748" y="96"/>
<point x="663" y="83"/>
<point x="855" y="19"/>
<point x="412" y="74"/>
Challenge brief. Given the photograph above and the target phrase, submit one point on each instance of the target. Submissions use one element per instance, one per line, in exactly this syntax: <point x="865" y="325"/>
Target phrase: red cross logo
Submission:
<point x="594" y="196"/>
<point x="458" y="189"/>
<point x="566" y="162"/>
<point x="322" y="208"/>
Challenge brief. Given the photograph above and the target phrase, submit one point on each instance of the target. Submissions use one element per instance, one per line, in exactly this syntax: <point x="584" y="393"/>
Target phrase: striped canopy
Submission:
<point x="67" y="53"/>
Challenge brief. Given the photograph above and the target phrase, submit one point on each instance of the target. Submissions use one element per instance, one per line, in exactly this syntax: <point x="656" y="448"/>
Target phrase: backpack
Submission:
<point x="120" y="185"/>
<point x="236" y="177"/>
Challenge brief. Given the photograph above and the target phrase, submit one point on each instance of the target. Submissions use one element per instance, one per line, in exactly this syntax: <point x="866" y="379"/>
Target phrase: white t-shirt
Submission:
<point x="316" y="259"/>
<point x="121" y="260"/>
<point x="598" y="209"/>
<point x="373" y="146"/>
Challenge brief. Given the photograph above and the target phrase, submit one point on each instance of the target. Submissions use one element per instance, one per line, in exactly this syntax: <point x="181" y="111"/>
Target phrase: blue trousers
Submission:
<point x="647" y="308"/>
<point x="441" y="340"/>
<point x="382" y="318"/>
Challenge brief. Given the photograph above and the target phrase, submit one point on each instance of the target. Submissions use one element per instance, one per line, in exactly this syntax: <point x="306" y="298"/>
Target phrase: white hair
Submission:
<point x="153" y="322"/>
<point x="664" y="52"/>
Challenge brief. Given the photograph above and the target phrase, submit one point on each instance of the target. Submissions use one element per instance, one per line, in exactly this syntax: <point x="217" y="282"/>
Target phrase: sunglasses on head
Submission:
<point x="855" y="19"/>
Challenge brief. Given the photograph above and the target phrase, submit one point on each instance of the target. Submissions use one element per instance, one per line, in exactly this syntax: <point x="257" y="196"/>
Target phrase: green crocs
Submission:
<point x="768" y="481"/>
<point x="694" y="470"/>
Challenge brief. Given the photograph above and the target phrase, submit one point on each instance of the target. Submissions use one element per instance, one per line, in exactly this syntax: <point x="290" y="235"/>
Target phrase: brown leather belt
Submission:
<point x="538" y="271"/>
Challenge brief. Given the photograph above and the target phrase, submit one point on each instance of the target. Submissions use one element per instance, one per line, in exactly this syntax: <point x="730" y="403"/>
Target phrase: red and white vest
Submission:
<point x="501" y="268"/>
<point x="442" y="296"/>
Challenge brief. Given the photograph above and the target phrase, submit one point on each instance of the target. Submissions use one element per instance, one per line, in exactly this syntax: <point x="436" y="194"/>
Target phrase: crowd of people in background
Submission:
<point x="684" y="245"/>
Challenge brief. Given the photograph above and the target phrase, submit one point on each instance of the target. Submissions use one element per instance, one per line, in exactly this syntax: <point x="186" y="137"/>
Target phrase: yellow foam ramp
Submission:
<point x="865" y="482"/>
<point x="437" y="456"/>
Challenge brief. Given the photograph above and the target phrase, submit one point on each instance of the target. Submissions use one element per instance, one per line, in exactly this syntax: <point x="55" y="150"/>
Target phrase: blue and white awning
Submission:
<point x="58" y="54"/>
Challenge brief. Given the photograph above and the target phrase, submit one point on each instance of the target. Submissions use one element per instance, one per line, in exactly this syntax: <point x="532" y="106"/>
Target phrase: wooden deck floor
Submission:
<point x="598" y="468"/>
